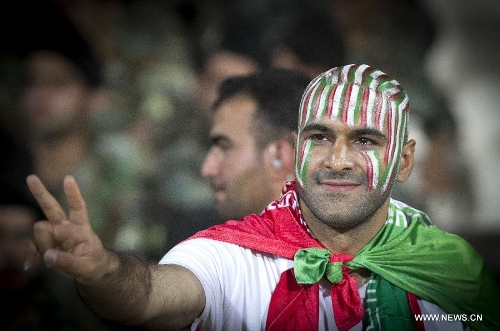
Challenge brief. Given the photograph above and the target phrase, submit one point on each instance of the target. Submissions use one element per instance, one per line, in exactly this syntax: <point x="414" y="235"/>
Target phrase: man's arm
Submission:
<point x="117" y="286"/>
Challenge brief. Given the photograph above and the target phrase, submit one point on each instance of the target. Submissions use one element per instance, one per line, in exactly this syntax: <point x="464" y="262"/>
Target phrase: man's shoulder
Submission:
<point x="203" y="248"/>
<point x="217" y="261"/>
<point x="402" y="214"/>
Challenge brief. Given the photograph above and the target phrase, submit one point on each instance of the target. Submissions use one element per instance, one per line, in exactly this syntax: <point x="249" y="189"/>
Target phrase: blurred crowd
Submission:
<point x="128" y="108"/>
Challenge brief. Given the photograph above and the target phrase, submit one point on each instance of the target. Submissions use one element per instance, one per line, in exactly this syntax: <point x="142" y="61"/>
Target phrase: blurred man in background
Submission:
<point x="252" y="150"/>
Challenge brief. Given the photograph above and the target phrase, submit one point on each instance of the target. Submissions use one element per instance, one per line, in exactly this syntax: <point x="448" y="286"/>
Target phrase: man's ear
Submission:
<point x="407" y="157"/>
<point x="280" y="158"/>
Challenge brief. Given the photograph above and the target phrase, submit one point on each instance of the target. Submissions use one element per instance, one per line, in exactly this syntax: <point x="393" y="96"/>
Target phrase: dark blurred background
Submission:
<point x="151" y="68"/>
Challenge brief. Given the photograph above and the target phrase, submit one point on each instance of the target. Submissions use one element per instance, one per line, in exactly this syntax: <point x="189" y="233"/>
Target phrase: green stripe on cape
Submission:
<point x="436" y="266"/>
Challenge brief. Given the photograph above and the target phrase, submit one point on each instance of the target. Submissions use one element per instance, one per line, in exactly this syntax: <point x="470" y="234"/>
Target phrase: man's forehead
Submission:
<point x="349" y="103"/>
<point x="356" y="95"/>
<point x="234" y="117"/>
<point x="236" y="109"/>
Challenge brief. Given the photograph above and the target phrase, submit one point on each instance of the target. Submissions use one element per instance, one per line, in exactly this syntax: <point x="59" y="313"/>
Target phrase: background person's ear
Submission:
<point x="280" y="155"/>
<point x="275" y="161"/>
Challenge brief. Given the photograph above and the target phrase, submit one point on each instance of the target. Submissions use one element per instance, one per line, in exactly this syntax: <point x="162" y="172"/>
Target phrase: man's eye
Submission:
<point x="365" y="141"/>
<point x="220" y="143"/>
<point x="223" y="146"/>
<point x="318" y="137"/>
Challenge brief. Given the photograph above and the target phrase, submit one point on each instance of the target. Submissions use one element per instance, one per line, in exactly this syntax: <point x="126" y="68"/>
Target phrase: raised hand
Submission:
<point x="116" y="286"/>
<point x="66" y="241"/>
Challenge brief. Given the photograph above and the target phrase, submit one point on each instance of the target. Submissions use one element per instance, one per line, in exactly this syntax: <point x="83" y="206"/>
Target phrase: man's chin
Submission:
<point x="219" y="197"/>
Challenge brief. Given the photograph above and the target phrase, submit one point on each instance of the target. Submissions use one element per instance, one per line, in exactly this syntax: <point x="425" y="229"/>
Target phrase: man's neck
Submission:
<point x="348" y="241"/>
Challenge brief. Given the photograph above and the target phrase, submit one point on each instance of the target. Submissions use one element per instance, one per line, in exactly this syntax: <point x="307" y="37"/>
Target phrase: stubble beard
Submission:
<point x="341" y="211"/>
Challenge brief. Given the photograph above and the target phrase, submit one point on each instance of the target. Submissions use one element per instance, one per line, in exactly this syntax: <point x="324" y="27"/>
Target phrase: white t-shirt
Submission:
<point x="238" y="284"/>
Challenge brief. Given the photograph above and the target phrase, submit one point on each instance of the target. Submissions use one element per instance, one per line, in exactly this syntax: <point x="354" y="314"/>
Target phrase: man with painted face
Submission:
<point x="335" y="252"/>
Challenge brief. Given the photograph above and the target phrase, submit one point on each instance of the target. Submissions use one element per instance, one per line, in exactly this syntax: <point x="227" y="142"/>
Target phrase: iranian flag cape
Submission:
<point x="408" y="258"/>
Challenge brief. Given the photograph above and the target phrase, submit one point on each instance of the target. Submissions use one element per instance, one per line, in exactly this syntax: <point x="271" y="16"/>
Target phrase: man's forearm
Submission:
<point x="122" y="292"/>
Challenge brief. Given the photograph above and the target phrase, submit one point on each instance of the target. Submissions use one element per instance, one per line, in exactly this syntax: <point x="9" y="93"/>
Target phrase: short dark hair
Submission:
<point x="278" y="93"/>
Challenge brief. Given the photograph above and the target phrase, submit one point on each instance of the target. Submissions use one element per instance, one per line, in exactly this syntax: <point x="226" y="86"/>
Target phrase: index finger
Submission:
<point x="47" y="202"/>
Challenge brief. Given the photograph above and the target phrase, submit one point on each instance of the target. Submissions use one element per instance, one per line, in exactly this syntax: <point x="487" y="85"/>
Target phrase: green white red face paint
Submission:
<point x="362" y="97"/>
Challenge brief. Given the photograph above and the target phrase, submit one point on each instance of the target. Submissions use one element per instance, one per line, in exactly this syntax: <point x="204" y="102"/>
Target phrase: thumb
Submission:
<point x="61" y="260"/>
<point x="50" y="257"/>
<point x="73" y="266"/>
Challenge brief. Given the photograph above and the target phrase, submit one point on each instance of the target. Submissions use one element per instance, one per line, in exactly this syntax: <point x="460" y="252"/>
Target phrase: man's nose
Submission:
<point x="210" y="166"/>
<point x="340" y="156"/>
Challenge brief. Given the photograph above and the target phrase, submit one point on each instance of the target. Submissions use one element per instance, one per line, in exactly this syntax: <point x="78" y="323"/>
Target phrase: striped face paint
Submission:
<point x="361" y="96"/>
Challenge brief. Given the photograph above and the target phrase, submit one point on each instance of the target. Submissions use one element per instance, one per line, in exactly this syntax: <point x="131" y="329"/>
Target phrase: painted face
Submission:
<point x="360" y="97"/>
